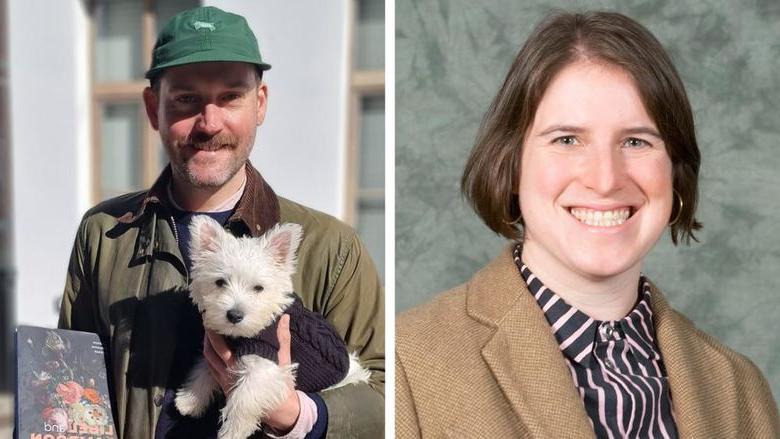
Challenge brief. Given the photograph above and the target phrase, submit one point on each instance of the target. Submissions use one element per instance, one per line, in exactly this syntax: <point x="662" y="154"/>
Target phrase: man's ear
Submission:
<point x="262" y="102"/>
<point x="152" y="104"/>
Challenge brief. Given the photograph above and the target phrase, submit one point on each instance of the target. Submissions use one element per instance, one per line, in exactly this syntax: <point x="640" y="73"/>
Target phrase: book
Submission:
<point x="61" y="385"/>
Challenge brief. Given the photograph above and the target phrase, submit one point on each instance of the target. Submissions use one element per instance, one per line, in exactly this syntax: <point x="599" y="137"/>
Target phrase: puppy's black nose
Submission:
<point x="235" y="316"/>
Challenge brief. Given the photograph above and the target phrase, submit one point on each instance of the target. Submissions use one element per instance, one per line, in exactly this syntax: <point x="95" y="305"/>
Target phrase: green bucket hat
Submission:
<point x="204" y="34"/>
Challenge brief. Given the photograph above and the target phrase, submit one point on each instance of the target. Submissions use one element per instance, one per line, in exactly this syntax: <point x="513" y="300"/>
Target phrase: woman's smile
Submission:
<point x="601" y="217"/>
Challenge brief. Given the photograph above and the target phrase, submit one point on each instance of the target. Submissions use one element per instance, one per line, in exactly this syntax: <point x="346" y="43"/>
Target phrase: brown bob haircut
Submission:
<point x="491" y="176"/>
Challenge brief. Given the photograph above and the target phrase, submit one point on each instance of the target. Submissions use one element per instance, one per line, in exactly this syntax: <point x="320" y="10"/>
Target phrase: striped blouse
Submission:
<point x="615" y="365"/>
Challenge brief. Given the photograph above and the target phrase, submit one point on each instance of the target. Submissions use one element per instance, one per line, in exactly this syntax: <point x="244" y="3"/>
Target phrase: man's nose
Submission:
<point x="604" y="169"/>
<point x="210" y="120"/>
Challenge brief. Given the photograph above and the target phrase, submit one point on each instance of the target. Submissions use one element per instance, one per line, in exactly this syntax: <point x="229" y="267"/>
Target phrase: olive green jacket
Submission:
<point x="128" y="283"/>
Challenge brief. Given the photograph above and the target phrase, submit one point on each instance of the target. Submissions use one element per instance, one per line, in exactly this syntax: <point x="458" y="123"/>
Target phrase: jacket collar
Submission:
<point x="538" y="384"/>
<point x="256" y="211"/>
<point x="701" y="374"/>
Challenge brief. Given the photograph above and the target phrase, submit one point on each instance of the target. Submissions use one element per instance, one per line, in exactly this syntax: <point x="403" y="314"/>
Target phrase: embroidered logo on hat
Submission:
<point x="198" y="25"/>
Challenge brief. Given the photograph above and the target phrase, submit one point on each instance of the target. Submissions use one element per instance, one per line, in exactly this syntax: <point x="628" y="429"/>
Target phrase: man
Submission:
<point x="128" y="273"/>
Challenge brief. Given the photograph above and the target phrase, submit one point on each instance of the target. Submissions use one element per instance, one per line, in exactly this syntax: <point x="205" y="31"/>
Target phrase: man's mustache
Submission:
<point x="208" y="143"/>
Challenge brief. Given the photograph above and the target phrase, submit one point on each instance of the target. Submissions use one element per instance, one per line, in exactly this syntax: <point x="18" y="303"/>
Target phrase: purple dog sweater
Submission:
<point x="315" y="345"/>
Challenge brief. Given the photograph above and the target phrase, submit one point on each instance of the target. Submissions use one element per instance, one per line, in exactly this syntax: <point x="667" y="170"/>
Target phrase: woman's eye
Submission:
<point x="566" y="140"/>
<point x="633" y="142"/>
<point x="220" y="282"/>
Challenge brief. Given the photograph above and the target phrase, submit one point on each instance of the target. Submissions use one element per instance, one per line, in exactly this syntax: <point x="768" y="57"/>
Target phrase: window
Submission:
<point x="126" y="151"/>
<point x="366" y="167"/>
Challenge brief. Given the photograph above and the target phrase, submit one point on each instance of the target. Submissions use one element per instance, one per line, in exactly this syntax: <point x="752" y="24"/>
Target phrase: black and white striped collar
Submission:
<point x="577" y="333"/>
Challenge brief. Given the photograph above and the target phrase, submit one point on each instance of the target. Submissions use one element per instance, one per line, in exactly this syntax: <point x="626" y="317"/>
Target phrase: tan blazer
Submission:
<point x="480" y="361"/>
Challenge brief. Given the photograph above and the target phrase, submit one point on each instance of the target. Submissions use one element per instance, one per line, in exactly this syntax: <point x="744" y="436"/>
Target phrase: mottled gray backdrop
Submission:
<point x="451" y="56"/>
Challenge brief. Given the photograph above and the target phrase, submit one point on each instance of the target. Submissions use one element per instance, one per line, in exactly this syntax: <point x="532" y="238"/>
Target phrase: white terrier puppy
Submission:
<point x="242" y="286"/>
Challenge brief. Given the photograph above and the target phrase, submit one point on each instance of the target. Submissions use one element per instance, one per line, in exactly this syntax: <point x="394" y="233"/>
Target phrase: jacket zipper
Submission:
<point x="176" y="237"/>
<point x="175" y="233"/>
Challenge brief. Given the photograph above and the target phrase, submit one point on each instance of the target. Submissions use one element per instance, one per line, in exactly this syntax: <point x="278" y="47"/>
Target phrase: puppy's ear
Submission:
<point x="206" y="234"/>
<point x="283" y="241"/>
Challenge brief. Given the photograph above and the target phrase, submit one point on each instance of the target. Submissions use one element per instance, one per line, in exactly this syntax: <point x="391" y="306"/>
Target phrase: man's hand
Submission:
<point x="220" y="360"/>
<point x="284" y="417"/>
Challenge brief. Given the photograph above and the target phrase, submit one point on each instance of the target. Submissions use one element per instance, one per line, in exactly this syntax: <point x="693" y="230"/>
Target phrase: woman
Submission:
<point x="585" y="157"/>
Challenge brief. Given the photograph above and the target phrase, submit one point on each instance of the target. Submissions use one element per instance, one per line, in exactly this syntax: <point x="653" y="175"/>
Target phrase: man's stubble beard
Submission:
<point x="185" y="174"/>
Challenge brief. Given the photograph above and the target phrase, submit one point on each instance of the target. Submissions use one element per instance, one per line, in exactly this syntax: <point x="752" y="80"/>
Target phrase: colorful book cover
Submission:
<point x="61" y="385"/>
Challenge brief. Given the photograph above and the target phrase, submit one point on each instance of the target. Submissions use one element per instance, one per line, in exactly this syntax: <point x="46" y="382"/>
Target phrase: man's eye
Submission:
<point x="185" y="99"/>
<point x="566" y="140"/>
<point x="633" y="142"/>
<point x="232" y="96"/>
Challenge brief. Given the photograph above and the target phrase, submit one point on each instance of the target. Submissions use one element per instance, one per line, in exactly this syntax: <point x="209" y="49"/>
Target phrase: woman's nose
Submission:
<point x="604" y="170"/>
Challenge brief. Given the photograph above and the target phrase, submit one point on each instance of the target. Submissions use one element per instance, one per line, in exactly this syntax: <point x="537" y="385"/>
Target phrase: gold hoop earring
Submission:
<point x="515" y="222"/>
<point x="679" y="209"/>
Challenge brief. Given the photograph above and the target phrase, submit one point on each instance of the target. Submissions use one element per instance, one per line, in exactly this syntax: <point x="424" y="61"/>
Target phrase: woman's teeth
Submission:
<point x="601" y="218"/>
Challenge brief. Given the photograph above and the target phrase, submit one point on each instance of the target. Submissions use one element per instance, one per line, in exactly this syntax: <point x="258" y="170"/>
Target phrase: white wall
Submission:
<point x="300" y="148"/>
<point x="48" y="148"/>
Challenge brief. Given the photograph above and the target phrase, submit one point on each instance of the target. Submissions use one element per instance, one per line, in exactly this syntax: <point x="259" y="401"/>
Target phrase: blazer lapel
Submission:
<point x="523" y="354"/>
<point x="704" y="404"/>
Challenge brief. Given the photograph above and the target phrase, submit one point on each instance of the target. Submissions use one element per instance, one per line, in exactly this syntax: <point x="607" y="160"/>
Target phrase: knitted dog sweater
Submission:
<point x="315" y="345"/>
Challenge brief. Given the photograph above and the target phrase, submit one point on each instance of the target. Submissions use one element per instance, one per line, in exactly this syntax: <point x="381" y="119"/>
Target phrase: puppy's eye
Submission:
<point x="220" y="282"/>
<point x="258" y="288"/>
